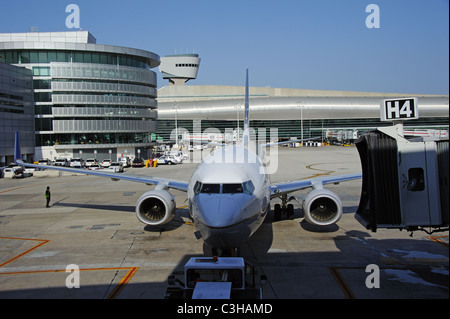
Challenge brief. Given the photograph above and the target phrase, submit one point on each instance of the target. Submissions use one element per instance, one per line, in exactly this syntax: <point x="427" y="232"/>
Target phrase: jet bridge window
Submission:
<point x="416" y="179"/>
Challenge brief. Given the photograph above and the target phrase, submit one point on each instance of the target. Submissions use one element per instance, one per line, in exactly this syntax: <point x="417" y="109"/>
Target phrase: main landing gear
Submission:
<point x="283" y="208"/>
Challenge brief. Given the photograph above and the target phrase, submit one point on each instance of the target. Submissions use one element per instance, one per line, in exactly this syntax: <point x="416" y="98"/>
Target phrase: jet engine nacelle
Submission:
<point x="322" y="207"/>
<point x="156" y="207"/>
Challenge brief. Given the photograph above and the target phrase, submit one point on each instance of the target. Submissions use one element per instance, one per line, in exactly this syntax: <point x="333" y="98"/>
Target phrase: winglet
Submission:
<point x="17" y="153"/>
<point x="246" y="135"/>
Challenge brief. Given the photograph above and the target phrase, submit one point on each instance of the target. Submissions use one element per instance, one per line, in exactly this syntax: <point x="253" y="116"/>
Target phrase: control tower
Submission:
<point x="179" y="68"/>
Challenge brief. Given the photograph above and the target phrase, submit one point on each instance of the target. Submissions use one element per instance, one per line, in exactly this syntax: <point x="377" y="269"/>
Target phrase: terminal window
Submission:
<point x="180" y="65"/>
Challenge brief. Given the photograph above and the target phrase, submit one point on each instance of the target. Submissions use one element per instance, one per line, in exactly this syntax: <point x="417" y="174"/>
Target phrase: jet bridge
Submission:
<point x="405" y="183"/>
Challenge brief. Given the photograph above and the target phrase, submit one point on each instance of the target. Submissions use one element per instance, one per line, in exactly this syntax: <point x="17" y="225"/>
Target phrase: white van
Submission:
<point x="126" y="161"/>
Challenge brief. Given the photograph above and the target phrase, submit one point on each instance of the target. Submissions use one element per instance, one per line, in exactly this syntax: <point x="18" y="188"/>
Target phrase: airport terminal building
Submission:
<point x="101" y="101"/>
<point x="293" y="112"/>
<point x="90" y="100"/>
<point x="16" y="111"/>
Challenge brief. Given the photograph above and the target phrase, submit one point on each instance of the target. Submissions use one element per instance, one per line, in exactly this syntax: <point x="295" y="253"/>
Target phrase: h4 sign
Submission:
<point x="399" y="109"/>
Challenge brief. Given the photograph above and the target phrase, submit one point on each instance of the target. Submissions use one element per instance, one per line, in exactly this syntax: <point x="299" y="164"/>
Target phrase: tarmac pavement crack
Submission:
<point x="119" y="268"/>
<point x="262" y="271"/>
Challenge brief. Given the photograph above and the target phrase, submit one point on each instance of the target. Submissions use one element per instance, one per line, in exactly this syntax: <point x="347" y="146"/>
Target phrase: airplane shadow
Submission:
<point x="304" y="274"/>
<point x="264" y="235"/>
<point x="181" y="217"/>
<point x="96" y="206"/>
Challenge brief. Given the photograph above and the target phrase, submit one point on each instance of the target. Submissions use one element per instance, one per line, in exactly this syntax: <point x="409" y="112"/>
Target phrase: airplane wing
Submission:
<point x="277" y="190"/>
<point x="162" y="183"/>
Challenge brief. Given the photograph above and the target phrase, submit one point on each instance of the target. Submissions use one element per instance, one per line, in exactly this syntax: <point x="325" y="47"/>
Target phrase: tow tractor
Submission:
<point x="215" y="278"/>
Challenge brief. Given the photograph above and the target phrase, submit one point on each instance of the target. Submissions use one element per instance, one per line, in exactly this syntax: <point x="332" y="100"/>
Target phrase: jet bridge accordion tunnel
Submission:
<point x="404" y="183"/>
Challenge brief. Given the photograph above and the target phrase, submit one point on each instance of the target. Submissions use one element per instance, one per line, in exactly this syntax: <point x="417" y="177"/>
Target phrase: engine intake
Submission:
<point x="322" y="207"/>
<point x="156" y="207"/>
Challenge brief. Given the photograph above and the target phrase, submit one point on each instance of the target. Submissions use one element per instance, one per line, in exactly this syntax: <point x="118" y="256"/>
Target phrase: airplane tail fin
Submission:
<point x="246" y="134"/>
<point x="17" y="153"/>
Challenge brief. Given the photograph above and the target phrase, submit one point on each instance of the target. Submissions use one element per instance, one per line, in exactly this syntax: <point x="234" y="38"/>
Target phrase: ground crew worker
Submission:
<point x="47" y="196"/>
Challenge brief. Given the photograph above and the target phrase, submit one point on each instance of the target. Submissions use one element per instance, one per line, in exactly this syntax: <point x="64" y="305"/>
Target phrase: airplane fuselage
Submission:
<point x="229" y="196"/>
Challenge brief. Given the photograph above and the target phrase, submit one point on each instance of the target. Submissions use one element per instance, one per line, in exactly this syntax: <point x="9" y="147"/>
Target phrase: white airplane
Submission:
<point x="229" y="194"/>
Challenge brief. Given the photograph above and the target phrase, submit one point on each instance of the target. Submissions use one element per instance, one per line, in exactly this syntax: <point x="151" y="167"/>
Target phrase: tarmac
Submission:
<point x="91" y="226"/>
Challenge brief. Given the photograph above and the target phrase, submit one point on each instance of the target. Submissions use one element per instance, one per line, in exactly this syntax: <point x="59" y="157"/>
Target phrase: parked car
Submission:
<point x="138" y="162"/>
<point x="106" y="163"/>
<point x="167" y="159"/>
<point x="44" y="161"/>
<point x="76" y="163"/>
<point x="94" y="167"/>
<point x="116" y="167"/>
<point x="90" y="161"/>
<point x="61" y="162"/>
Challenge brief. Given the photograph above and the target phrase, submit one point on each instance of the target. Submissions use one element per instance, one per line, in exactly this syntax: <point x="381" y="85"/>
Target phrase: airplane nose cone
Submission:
<point x="219" y="210"/>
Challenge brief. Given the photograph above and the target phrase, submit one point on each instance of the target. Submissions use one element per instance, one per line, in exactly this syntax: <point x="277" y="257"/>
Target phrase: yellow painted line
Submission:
<point x="13" y="189"/>
<point x="131" y="270"/>
<point x="182" y="221"/>
<point x="31" y="186"/>
<point x="341" y="282"/>
<point x="438" y="239"/>
<point x="123" y="282"/>
<point x="43" y="242"/>
<point x="326" y="172"/>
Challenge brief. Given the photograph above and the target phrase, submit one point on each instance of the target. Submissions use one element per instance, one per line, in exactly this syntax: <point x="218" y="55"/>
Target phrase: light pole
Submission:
<point x="237" y="106"/>
<point x="175" y="107"/>
<point x="300" y="104"/>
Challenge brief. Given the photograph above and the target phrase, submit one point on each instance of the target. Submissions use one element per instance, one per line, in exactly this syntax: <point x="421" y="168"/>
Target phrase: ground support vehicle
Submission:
<point x="215" y="278"/>
<point x="167" y="159"/>
<point x="126" y="161"/>
<point x="18" y="172"/>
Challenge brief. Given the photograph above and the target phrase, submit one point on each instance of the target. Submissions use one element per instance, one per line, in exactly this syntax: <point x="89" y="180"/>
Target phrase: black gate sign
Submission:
<point x="399" y="109"/>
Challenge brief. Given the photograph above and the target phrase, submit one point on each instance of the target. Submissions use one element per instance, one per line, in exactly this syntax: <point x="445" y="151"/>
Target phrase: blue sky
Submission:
<point x="321" y="44"/>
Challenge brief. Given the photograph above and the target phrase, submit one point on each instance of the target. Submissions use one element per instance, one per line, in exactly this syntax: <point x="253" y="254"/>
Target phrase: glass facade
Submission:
<point x="289" y="128"/>
<point x="16" y="112"/>
<point x="89" y="99"/>
<point x="93" y="139"/>
<point x="48" y="56"/>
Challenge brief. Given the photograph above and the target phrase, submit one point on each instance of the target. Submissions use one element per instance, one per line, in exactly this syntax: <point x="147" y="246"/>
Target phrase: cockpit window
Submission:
<point x="232" y="188"/>
<point x="248" y="187"/>
<point x="197" y="187"/>
<point x="210" y="188"/>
